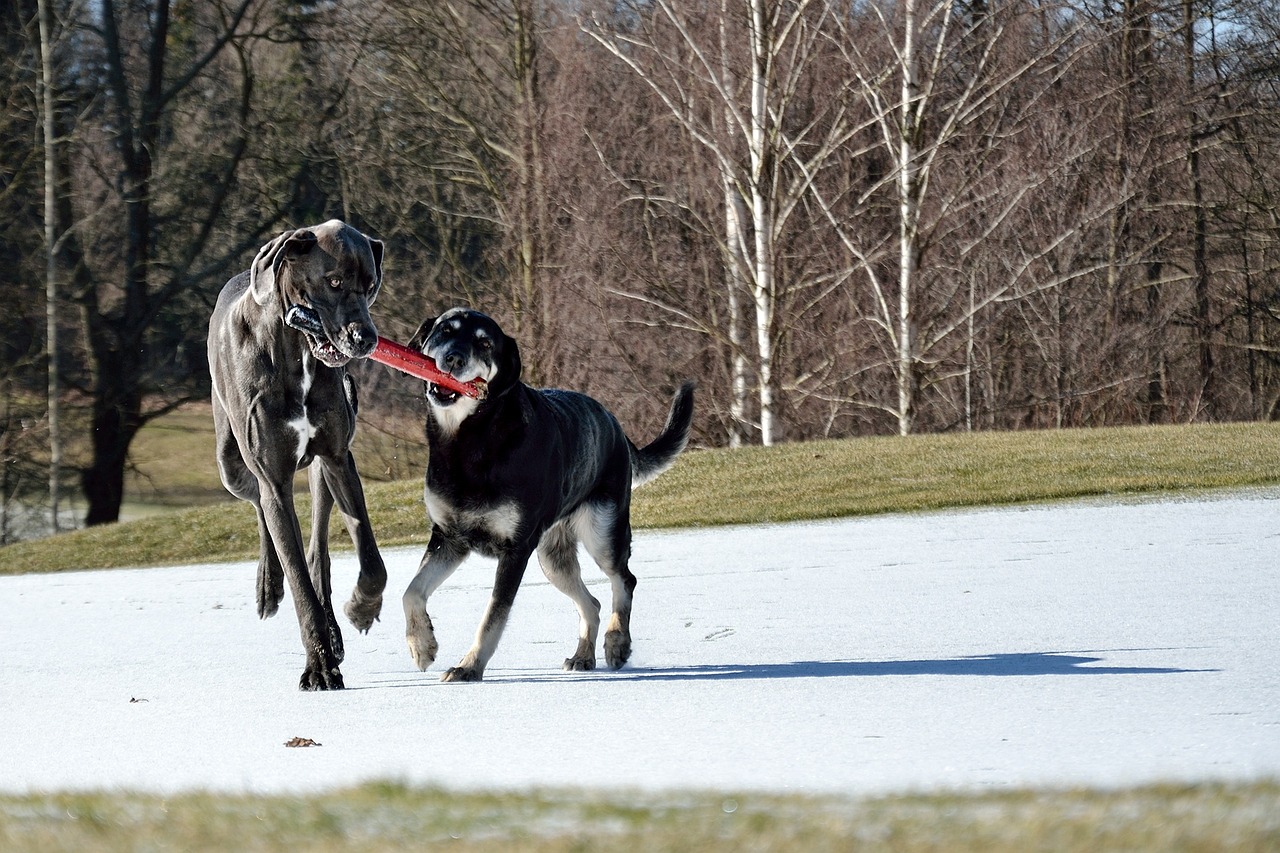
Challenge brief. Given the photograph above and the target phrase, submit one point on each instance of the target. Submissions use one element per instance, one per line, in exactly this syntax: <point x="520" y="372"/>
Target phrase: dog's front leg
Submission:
<point x="511" y="566"/>
<point x="321" y="672"/>
<point x="343" y="482"/>
<point x="442" y="557"/>
<point x="318" y="562"/>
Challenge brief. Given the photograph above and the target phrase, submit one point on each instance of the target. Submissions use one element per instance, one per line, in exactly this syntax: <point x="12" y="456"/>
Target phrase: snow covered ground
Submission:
<point x="1097" y="643"/>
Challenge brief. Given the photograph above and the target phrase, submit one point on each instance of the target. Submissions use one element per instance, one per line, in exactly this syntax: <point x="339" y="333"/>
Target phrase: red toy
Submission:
<point x="393" y="355"/>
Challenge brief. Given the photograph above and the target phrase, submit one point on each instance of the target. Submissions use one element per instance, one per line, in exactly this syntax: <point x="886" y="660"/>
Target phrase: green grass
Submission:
<point x="825" y="479"/>
<point x="383" y="817"/>
<point x="172" y="459"/>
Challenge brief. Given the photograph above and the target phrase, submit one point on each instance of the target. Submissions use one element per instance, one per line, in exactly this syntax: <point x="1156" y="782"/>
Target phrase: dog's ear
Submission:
<point x="419" y="339"/>
<point x="509" y="366"/>
<point x="266" y="264"/>
<point x="376" y="246"/>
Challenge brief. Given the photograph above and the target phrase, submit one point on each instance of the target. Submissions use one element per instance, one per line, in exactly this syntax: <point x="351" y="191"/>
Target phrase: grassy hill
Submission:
<point x="824" y="479"/>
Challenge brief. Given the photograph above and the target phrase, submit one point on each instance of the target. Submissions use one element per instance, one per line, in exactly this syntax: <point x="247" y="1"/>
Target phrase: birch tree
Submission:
<point x="949" y="94"/>
<point x="729" y="74"/>
<point x="48" y="133"/>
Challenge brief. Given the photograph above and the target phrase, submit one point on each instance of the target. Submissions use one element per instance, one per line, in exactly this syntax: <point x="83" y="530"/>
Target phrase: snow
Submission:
<point x="1096" y="643"/>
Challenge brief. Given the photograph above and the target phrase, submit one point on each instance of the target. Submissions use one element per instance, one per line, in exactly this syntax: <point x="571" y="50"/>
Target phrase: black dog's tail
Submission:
<point x="658" y="455"/>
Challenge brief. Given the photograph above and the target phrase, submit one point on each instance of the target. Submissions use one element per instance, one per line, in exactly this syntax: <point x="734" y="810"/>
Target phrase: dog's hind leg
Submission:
<point x="607" y="537"/>
<point x="438" y="562"/>
<point x="240" y="482"/>
<point x="270" y="575"/>
<point x="511" y="566"/>
<point x="558" y="556"/>
<point x="366" y="599"/>
<point x="318" y="562"/>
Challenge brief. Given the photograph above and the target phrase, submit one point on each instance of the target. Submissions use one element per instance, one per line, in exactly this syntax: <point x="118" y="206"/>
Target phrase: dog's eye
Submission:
<point x="335" y="282"/>
<point x="485" y="344"/>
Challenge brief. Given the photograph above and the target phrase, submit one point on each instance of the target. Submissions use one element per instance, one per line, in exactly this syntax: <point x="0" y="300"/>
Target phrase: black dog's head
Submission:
<point x="334" y="270"/>
<point x="467" y="345"/>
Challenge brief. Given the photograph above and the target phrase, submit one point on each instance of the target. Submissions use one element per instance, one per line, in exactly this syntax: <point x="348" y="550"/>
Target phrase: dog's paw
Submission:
<point x="321" y="678"/>
<point x="421" y="638"/>
<point x="584" y="657"/>
<point x="270" y="591"/>
<point x="617" y="648"/>
<point x="462" y="673"/>
<point x="335" y="641"/>
<point x="362" y="611"/>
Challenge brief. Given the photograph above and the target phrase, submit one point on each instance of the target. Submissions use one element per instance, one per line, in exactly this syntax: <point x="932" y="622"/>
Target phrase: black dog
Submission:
<point x="526" y="469"/>
<point x="282" y="400"/>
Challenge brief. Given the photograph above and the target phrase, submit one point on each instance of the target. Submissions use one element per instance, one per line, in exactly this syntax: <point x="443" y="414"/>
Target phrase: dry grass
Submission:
<point x="382" y="817"/>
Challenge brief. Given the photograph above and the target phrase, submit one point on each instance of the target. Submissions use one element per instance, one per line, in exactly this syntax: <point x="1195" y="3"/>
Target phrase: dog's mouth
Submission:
<point x="326" y="352"/>
<point x="441" y="396"/>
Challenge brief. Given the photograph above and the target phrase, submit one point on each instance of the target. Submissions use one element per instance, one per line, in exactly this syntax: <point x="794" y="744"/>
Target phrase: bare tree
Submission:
<point x="943" y="87"/>
<point x="169" y="116"/>
<point x="467" y="78"/>
<point x="740" y="105"/>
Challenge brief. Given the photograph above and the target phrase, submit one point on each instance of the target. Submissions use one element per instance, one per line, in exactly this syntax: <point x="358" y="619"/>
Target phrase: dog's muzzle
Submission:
<point x="358" y="340"/>
<point x="451" y="360"/>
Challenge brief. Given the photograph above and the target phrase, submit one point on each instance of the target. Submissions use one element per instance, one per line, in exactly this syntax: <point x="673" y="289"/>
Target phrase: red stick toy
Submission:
<point x="393" y="355"/>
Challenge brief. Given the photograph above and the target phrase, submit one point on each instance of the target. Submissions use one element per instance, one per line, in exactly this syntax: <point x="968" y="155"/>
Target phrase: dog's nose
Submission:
<point x="363" y="339"/>
<point x="453" y="360"/>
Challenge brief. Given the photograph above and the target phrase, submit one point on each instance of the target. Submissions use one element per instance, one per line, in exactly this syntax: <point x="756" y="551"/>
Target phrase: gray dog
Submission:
<point x="282" y="401"/>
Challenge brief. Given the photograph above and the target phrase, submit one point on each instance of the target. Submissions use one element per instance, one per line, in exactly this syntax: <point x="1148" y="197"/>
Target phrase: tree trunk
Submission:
<point x="51" y="254"/>
<point x="118" y="340"/>
<point x="1200" y="263"/>
<point x="908" y="209"/>
<point x="116" y="419"/>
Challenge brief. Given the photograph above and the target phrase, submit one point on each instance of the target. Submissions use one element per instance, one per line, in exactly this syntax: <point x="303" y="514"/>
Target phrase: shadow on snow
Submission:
<point x="1015" y="664"/>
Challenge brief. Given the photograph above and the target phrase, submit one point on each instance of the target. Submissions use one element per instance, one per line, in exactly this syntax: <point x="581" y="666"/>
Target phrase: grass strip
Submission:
<point x="388" y="817"/>
<point x="811" y="480"/>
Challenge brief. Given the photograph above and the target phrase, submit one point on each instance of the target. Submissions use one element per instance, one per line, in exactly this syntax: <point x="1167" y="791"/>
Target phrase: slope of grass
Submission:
<point x="825" y="479"/>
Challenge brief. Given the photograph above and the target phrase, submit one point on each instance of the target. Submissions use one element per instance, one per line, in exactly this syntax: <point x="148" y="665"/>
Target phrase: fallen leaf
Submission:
<point x="301" y="741"/>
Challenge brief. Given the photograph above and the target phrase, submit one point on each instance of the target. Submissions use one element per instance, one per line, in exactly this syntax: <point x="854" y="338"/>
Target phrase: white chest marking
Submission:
<point x="450" y="418"/>
<point x="301" y="424"/>
<point x="501" y="522"/>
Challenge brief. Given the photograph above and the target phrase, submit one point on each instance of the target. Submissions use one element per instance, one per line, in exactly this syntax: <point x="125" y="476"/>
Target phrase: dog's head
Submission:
<point x="333" y="269"/>
<point x="467" y="345"/>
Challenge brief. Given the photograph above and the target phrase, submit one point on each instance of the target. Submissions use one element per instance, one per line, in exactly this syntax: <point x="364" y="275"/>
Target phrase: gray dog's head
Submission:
<point x="334" y="270"/>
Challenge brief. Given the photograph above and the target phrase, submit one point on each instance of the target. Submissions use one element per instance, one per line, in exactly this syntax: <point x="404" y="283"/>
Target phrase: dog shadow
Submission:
<point x="1025" y="664"/>
<point x="1007" y="664"/>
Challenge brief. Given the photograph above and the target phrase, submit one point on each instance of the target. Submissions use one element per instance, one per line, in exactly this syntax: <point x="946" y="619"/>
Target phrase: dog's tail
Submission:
<point x="658" y="455"/>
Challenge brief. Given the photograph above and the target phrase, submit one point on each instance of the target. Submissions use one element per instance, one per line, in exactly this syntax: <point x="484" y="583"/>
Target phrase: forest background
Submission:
<point x="841" y="218"/>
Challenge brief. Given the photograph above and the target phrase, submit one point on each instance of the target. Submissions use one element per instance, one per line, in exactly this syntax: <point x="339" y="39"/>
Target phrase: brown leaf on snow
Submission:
<point x="301" y="741"/>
